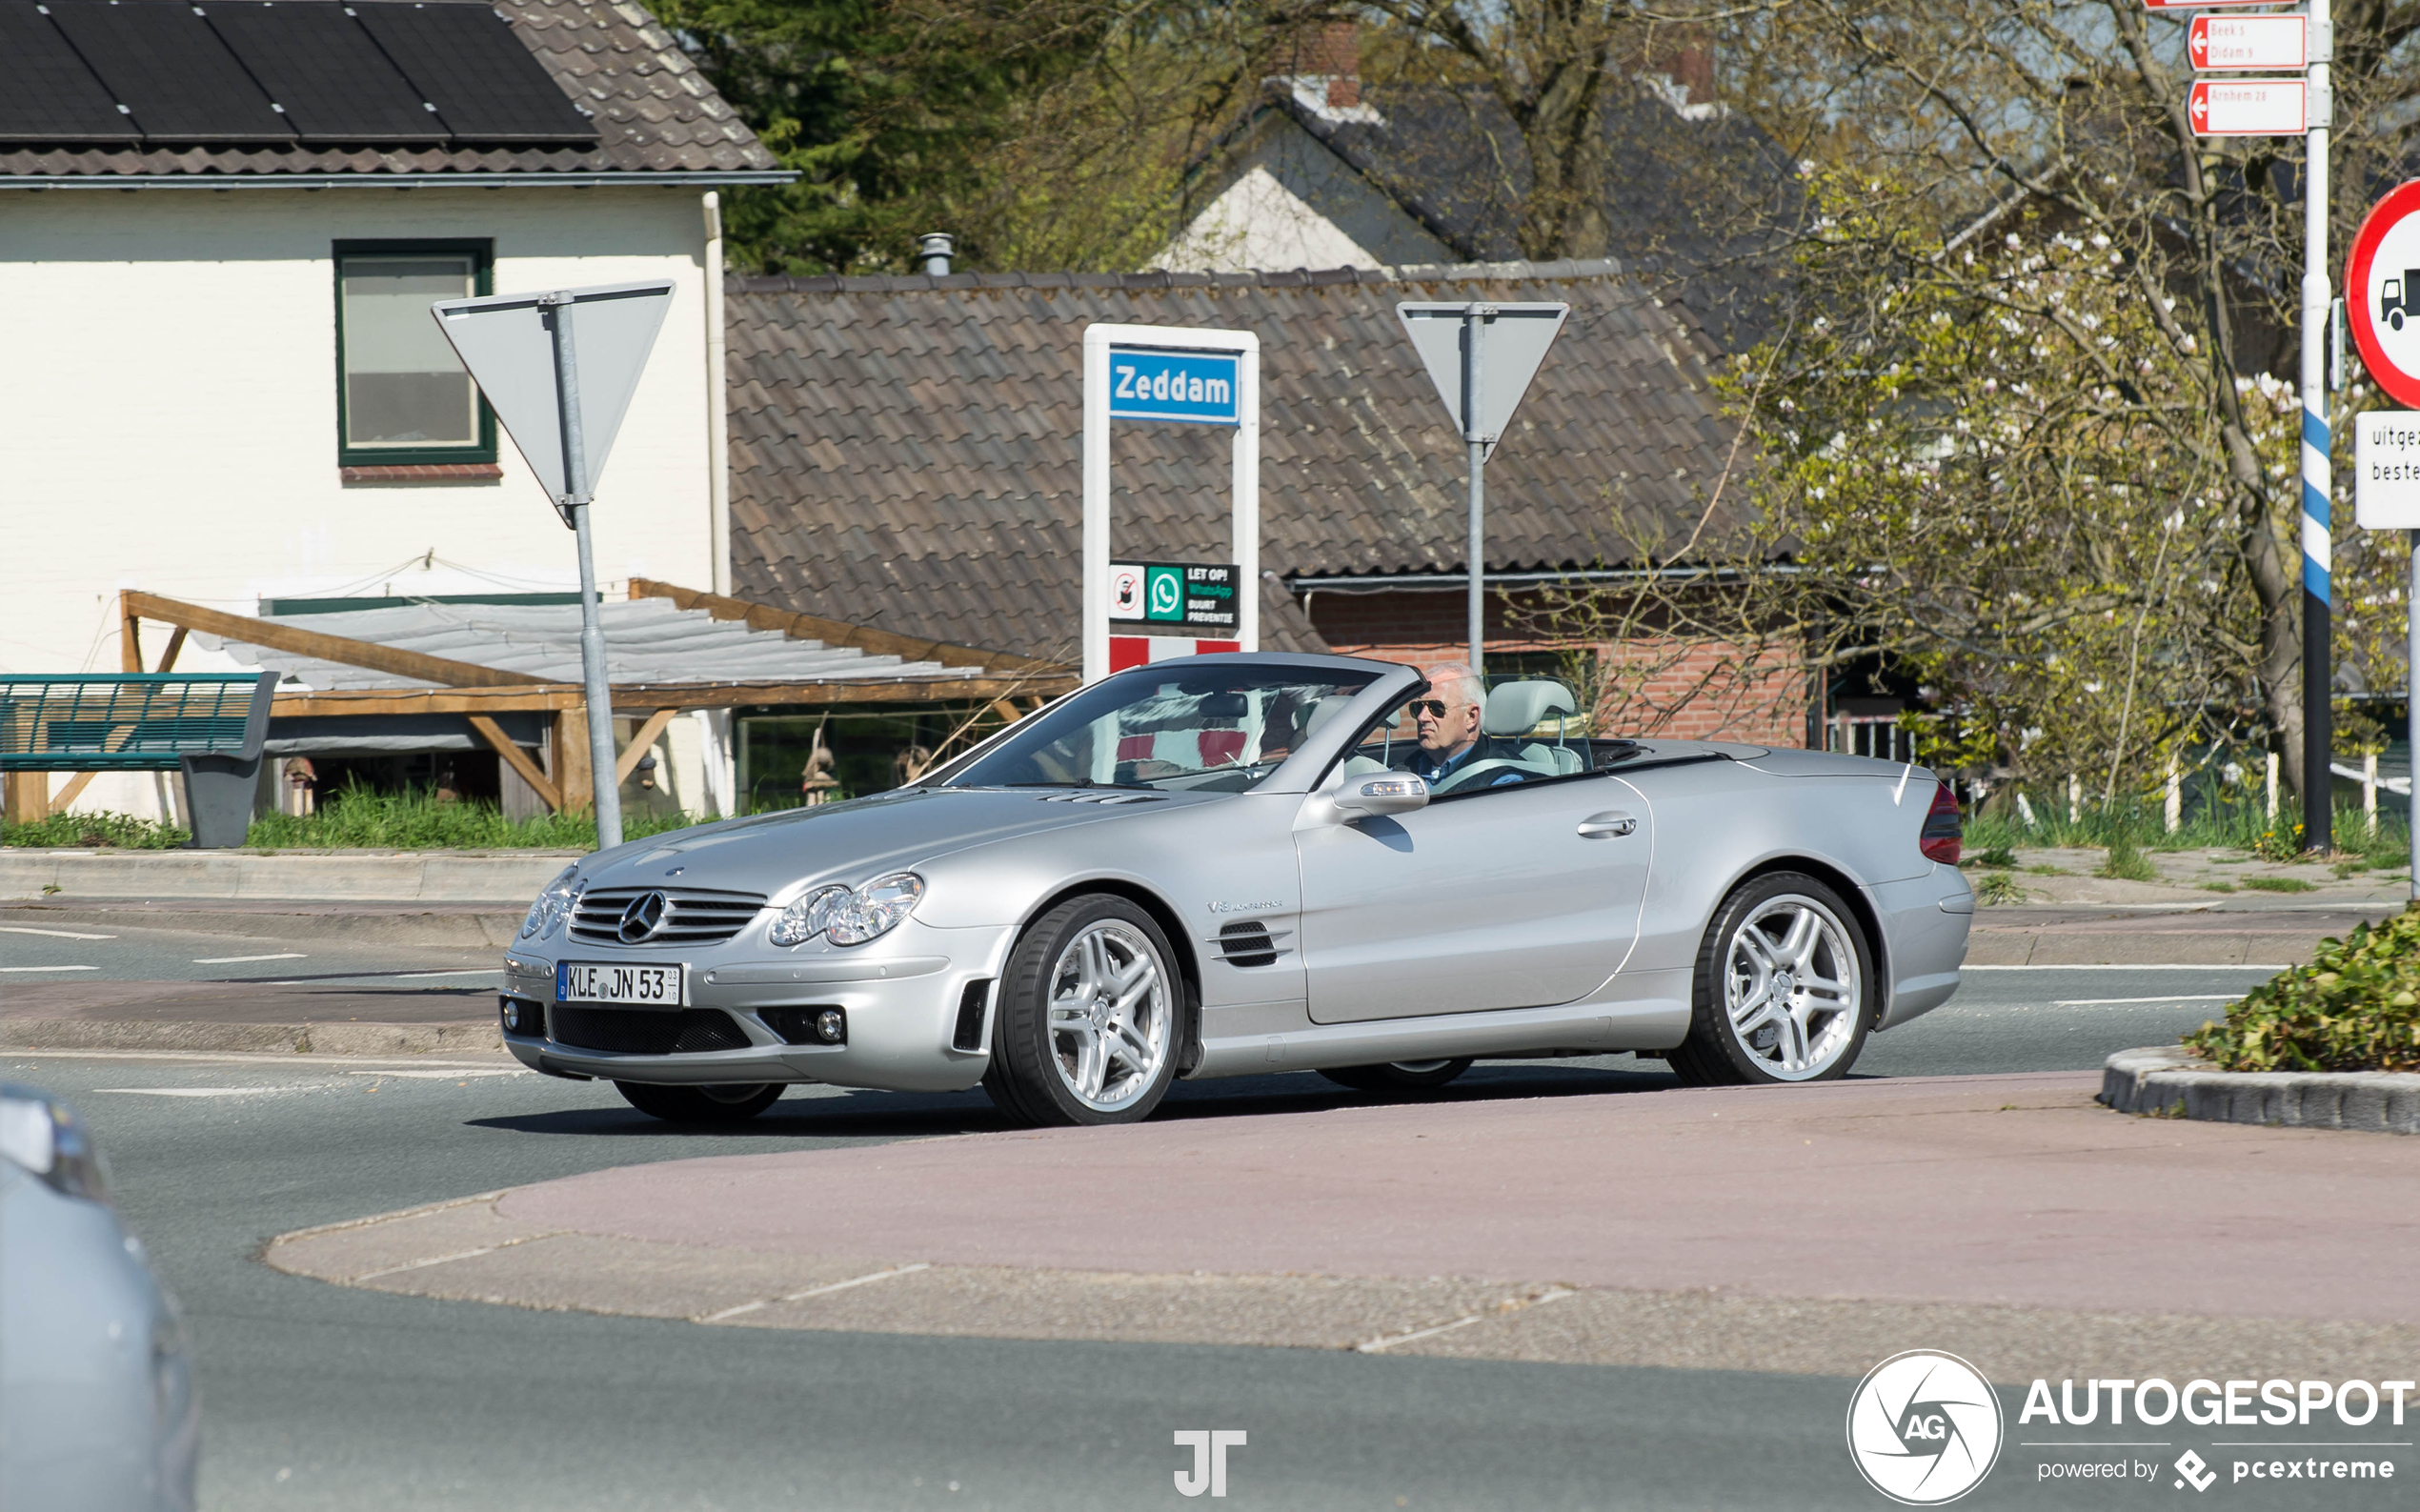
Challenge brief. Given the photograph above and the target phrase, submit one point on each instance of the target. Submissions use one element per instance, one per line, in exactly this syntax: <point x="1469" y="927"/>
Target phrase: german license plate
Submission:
<point x="639" y="986"/>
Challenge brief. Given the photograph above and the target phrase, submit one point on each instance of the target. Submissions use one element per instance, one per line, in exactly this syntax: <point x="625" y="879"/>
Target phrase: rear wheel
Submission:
<point x="1090" y="1018"/>
<point x="727" y="1103"/>
<point x="1785" y="988"/>
<point x="1396" y="1075"/>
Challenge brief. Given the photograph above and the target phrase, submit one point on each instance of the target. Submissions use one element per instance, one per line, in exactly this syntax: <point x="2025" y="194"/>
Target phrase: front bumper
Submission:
<point x="907" y="1010"/>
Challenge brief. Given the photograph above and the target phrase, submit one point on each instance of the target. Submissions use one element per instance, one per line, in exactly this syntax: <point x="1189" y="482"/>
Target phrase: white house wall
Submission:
<point x="1289" y="203"/>
<point x="169" y="389"/>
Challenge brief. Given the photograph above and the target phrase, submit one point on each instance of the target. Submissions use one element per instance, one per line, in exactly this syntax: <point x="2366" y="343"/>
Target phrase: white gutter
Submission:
<point x="718" y="412"/>
<point x="530" y="180"/>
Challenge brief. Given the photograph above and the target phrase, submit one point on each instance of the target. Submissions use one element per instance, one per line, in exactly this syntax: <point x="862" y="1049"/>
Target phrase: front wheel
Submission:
<point x="731" y="1103"/>
<point x="1091" y="1017"/>
<point x="1398" y="1076"/>
<point x="1784" y="987"/>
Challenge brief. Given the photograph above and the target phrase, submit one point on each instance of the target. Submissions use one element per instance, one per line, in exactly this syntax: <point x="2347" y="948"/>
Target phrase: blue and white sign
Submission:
<point x="1147" y="384"/>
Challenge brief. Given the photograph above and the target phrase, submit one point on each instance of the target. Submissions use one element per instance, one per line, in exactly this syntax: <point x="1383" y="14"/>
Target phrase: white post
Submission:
<point x="1095" y="551"/>
<point x="2273" y="787"/>
<point x="2075" y="799"/>
<point x="1246" y="534"/>
<point x="2370" y="790"/>
<point x="718" y="407"/>
<point x="2318" y="489"/>
<point x="2175" y="799"/>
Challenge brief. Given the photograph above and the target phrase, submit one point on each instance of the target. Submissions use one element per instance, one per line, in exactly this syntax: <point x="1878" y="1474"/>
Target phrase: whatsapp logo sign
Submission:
<point x="1925" y="1427"/>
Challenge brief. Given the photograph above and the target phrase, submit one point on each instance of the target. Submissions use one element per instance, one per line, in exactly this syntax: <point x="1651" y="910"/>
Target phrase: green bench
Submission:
<point x="210" y="725"/>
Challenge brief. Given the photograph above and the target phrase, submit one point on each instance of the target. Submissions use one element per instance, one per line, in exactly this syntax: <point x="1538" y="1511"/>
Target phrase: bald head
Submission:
<point x="1447" y="733"/>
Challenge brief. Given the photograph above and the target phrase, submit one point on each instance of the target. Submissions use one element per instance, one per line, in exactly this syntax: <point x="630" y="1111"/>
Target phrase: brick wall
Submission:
<point x="1658" y="685"/>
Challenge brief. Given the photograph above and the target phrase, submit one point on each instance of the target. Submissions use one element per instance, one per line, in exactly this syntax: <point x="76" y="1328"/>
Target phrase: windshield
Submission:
<point x="1215" y="729"/>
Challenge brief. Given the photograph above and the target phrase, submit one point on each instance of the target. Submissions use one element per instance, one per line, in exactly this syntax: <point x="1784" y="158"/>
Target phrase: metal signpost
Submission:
<point x="1190" y="377"/>
<point x="1482" y="357"/>
<point x="2287" y="107"/>
<point x="558" y="370"/>
<point x="2382" y="294"/>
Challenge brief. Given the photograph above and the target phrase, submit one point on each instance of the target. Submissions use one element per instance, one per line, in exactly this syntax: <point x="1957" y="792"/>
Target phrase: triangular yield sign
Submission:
<point x="1513" y="343"/>
<point x="508" y="343"/>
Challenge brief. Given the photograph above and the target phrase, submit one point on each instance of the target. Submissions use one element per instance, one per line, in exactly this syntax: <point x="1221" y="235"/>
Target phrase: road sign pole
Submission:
<point x="574" y="504"/>
<point x="1474" y="332"/>
<point x="2319" y="783"/>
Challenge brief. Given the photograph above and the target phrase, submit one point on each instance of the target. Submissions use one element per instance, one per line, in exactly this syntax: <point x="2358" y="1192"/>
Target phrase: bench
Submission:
<point x="208" y="725"/>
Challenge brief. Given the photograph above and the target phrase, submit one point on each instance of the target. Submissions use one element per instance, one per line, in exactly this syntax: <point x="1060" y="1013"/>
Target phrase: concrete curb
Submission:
<point x="314" y="1039"/>
<point x="450" y="876"/>
<point x="2172" y="1081"/>
<point x="469" y="926"/>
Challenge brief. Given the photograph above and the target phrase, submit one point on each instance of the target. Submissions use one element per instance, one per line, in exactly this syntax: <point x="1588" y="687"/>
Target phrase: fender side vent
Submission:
<point x="968" y="1036"/>
<point x="1247" y="944"/>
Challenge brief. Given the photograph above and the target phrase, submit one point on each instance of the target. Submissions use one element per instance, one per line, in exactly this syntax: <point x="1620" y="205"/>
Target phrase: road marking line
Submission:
<point x="492" y="970"/>
<point x="2046" y="966"/>
<point x="814" y="1291"/>
<point x="441" y="1260"/>
<point x="228" y="960"/>
<point x="49" y="968"/>
<point x="2097" y="1002"/>
<point x="190" y="1092"/>
<point x="55" y="933"/>
<point x="1514" y="1304"/>
<point x="447" y="1076"/>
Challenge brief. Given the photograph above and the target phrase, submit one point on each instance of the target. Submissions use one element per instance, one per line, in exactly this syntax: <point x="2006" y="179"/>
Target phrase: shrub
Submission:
<point x="2356" y="1007"/>
<point x="95" y="832"/>
<point x="1998" y="887"/>
<point x="2125" y="863"/>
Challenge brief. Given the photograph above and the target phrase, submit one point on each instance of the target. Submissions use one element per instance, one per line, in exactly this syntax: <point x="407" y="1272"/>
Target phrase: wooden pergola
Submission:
<point x="992" y="679"/>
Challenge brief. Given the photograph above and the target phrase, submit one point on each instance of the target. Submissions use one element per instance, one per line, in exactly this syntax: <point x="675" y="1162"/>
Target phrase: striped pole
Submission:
<point x="2319" y="782"/>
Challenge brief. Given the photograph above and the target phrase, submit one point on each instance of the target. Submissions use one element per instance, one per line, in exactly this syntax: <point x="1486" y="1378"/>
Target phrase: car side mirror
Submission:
<point x="1386" y="792"/>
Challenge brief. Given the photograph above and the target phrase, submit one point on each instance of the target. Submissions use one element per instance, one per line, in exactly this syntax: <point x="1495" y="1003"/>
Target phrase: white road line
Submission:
<point x="191" y="1092"/>
<point x="814" y="1291"/>
<point x="2272" y="970"/>
<point x="1386" y="1343"/>
<point x="492" y="970"/>
<point x="49" y="968"/>
<point x="441" y="1260"/>
<point x="228" y="960"/>
<point x="55" y="933"/>
<point x="271" y="1059"/>
<point x="2097" y="1002"/>
<point x="463" y="1074"/>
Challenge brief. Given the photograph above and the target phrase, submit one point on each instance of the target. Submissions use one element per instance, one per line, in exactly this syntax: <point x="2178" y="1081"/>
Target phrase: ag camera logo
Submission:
<point x="1925" y="1427"/>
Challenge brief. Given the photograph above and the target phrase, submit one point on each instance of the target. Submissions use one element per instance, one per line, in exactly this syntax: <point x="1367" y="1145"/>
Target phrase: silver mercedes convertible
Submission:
<point x="1228" y="865"/>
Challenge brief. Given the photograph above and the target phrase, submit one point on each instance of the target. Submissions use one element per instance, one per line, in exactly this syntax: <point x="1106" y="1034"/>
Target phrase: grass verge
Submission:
<point x="354" y="818"/>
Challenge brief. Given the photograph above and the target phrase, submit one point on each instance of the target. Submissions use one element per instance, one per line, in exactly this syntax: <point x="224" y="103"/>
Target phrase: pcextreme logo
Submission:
<point x="1924" y="1427"/>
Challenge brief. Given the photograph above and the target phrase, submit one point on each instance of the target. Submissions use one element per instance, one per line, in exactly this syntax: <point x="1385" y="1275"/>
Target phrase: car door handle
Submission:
<point x="1606" y="826"/>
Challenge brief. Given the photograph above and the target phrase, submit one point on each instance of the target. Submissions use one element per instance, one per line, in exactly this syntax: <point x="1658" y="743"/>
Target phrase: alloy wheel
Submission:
<point x="1793" y="988"/>
<point x="1110" y="1013"/>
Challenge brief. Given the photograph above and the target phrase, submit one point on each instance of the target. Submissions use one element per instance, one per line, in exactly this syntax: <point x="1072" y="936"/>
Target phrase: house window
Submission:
<point x="402" y="396"/>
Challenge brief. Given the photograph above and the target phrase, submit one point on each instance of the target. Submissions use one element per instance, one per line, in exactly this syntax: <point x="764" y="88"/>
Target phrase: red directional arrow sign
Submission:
<point x="2246" y="107"/>
<point x="2217" y="44"/>
<point x="2197" y="5"/>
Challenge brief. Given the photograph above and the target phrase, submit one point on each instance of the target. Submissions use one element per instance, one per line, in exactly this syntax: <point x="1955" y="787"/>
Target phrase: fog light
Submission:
<point x="522" y="1017"/>
<point x="831" y="1027"/>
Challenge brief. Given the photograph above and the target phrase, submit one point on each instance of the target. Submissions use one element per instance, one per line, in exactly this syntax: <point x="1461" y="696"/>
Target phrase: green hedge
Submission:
<point x="2356" y="1007"/>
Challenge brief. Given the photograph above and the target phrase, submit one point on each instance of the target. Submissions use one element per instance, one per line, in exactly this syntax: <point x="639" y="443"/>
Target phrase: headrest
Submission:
<point x="1515" y="708"/>
<point x="1323" y="710"/>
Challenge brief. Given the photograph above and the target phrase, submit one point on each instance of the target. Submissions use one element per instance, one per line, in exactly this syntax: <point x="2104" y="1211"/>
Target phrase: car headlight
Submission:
<point x="850" y="916"/>
<point x="875" y="909"/>
<point x="42" y="1133"/>
<point x="546" y="916"/>
<point x="809" y="917"/>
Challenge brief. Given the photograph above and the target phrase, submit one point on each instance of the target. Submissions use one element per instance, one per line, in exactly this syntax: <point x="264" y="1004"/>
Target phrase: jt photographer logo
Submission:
<point x="1924" y="1427"/>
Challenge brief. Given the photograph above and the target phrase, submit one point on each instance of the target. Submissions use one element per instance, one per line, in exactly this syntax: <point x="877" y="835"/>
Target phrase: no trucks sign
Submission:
<point x="2382" y="294"/>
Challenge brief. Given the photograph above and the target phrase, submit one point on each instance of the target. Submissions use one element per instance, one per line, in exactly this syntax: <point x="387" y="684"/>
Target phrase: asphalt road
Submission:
<point x="119" y="952"/>
<point x="322" y="1397"/>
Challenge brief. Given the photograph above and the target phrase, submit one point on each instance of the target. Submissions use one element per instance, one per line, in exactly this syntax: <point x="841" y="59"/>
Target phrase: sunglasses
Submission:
<point x="1433" y="706"/>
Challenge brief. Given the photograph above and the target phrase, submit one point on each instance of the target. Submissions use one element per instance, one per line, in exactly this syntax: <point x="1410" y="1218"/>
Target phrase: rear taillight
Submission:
<point x="1944" y="828"/>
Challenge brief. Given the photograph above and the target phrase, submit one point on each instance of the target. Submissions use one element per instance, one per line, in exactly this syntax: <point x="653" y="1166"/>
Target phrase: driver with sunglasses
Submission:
<point x="1447" y="723"/>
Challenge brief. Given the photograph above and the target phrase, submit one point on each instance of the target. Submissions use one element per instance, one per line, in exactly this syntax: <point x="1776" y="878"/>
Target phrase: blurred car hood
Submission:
<point x="858" y="840"/>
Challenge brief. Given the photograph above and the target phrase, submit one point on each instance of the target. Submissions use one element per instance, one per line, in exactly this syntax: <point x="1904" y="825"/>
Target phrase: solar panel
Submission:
<point x="484" y="82"/>
<point x="314" y="60"/>
<point x="51" y="97"/>
<point x="160" y="59"/>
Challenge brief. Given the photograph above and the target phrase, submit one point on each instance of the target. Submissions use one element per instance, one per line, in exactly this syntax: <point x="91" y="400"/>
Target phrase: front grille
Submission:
<point x="1247" y="944"/>
<point x="692" y="917"/>
<point x="645" y="1031"/>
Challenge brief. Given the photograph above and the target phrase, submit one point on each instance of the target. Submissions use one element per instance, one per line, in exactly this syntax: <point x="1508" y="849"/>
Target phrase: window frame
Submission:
<point x="482" y="254"/>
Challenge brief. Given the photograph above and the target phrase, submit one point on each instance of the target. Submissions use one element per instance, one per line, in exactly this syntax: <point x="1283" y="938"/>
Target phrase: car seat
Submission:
<point x="1517" y="708"/>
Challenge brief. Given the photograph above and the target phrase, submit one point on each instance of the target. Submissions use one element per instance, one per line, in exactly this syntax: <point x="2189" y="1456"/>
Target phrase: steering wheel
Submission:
<point x="1482" y="774"/>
